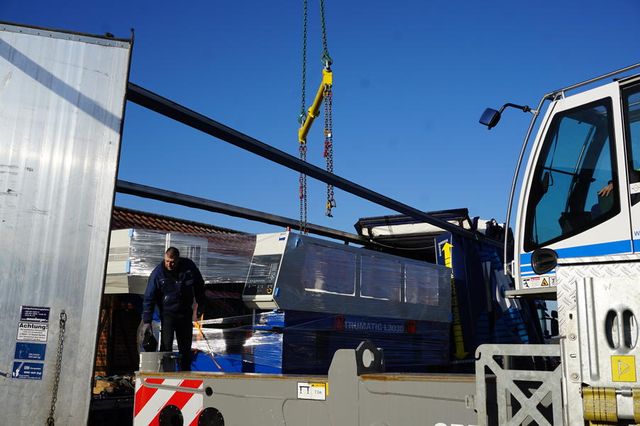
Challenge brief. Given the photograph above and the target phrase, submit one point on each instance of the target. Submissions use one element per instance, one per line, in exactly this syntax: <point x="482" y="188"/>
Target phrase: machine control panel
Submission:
<point x="261" y="286"/>
<point x="262" y="275"/>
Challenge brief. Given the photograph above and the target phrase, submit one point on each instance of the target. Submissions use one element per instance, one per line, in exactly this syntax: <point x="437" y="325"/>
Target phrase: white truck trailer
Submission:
<point x="62" y="102"/>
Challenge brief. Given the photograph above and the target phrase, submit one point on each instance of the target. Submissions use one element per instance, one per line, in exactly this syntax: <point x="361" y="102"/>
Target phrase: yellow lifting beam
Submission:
<point x="314" y="109"/>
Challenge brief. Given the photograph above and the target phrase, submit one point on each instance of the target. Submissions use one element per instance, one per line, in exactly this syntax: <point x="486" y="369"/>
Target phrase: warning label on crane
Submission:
<point x="623" y="368"/>
<point x="537" y="281"/>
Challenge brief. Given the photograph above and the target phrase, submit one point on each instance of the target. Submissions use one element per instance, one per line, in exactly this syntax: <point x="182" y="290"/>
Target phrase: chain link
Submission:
<point x="302" y="180"/>
<point x="328" y="120"/>
<point x="56" y="379"/>
<point x="326" y="59"/>
<point x="328" y="144"/>
<point x="328" y="128"/>
<point x="303" y="106"/>
<point x="303" y="191"/>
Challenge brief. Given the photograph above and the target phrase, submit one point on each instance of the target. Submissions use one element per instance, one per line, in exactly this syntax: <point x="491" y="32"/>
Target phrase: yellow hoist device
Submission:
<point x="307" y="117"/>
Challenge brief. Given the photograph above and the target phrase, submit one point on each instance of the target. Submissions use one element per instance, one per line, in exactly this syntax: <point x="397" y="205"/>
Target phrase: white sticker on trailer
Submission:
<point x="32" y="331"/>
<point x="315" y="391"/>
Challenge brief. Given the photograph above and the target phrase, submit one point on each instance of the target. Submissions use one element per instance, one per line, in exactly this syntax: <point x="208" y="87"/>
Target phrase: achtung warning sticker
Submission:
<point x="316" y="391"/>
<point x="32" y="331"/>
<point x="623" y="368"/>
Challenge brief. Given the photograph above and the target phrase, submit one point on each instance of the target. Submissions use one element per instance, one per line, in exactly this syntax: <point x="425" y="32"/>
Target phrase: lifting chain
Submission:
<point x="326" y="59"/>
<point x="328" y="144"/>
<point x="303" y="106"/>
<point x="328" y="123"/>
<point x="303" y="191"/>
<point x="302" y="180"/>
<point x="328" y="120"/>
<point x="56" y="379"/>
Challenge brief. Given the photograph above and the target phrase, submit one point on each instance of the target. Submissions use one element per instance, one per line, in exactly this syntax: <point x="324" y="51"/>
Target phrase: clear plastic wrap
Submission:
<point x="313" y="275"/>
<point x="146" y="249"/>
<point x="282" y="342"/>
<point x="381" y="277"/>
<point x="422" y="287"/>
<point x="329" y="270"/>
<point x="221" y="258"/>
<point x="336" y="296"/>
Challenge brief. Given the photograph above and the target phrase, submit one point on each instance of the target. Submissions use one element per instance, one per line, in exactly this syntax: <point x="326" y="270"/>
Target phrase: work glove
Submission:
<point x="149" y="342"/>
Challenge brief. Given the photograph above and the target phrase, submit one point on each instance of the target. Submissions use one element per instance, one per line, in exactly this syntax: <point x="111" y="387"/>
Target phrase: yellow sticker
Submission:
<point x="446" y="249"/>
<point x="545" y="283"/>
<point x="623" y="368"/>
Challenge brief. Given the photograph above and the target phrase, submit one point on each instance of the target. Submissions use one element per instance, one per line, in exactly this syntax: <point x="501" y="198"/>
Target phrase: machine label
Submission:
<point x="32" y="331"/>
<point x="381" y="327"/>
<point x="30" y="351"/>
<point x="316" y="391"/>
<point x="27" y="370"/>
<point x="623" y="368"/>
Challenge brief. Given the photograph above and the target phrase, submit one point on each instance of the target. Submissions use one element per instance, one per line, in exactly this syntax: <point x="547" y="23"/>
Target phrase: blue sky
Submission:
<point x="411" y="79"/>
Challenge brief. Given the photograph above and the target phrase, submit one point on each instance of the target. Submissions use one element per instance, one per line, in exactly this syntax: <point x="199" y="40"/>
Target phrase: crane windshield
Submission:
<point x="575" y="167"/>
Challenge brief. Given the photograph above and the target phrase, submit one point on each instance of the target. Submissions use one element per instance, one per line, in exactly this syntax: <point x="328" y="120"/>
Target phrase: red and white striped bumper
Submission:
<point x="156" y="397"/>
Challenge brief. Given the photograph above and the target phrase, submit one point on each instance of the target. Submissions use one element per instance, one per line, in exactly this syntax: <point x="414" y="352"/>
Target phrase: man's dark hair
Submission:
<point x="172" y="252"/>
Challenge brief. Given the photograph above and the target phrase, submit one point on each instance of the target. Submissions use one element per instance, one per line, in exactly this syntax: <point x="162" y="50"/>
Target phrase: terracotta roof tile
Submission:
<point x="123" y="218"/>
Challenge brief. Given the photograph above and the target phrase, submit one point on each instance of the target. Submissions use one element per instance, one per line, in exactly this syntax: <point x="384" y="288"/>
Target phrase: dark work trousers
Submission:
<point x="182" y="326"/>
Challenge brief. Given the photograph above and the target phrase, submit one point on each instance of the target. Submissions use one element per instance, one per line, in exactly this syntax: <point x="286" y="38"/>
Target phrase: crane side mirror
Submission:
<point x="490" y="118"/>
<point x="543" y="260"/>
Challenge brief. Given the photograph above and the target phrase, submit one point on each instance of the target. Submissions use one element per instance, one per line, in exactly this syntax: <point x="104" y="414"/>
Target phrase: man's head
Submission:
<point x="171" y="258"/>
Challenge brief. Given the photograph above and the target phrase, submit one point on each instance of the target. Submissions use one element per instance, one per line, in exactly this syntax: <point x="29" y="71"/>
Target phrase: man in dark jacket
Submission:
<point x="172" y="286"/>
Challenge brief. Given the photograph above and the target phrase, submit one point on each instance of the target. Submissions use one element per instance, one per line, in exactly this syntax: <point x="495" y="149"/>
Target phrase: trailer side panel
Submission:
<point x="61" y="108"/>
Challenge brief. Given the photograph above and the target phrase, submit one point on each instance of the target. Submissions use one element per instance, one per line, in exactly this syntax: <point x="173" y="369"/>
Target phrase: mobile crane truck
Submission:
<point x="62" y="99"/>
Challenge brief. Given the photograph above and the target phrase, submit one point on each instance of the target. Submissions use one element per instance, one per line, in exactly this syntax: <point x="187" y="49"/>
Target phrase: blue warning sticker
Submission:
<point x="30" y="351"/>
<point x="27" y="370"/>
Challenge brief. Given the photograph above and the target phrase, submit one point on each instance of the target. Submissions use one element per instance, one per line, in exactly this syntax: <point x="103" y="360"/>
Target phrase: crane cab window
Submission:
<point x="631" y="100"/>
<point x="575" y="164"/>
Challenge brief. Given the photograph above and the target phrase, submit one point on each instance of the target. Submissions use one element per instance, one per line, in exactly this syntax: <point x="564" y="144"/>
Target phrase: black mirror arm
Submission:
<point x="524" y="108"/>
<point x="491" y="117"/>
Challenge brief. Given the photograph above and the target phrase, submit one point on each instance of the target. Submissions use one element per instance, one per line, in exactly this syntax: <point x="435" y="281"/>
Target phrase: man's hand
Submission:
<point x="606" y="190"/>
<point x="146" y="328"/>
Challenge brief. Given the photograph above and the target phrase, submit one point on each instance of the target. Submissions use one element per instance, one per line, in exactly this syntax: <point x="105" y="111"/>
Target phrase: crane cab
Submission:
<point x="582" y="185"/>
<point x="578" y="235"/>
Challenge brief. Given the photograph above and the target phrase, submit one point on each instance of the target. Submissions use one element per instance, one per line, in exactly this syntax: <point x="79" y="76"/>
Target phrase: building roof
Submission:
<point x="123" y="218"/>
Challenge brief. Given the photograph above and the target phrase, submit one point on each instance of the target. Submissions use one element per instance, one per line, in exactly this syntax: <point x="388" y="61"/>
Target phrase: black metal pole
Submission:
<point x="130" y="188"/>
<point x="168" y="108"/>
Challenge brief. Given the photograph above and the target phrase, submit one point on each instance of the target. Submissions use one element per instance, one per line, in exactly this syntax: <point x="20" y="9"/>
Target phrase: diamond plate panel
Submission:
<point x="598" y="307"/>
